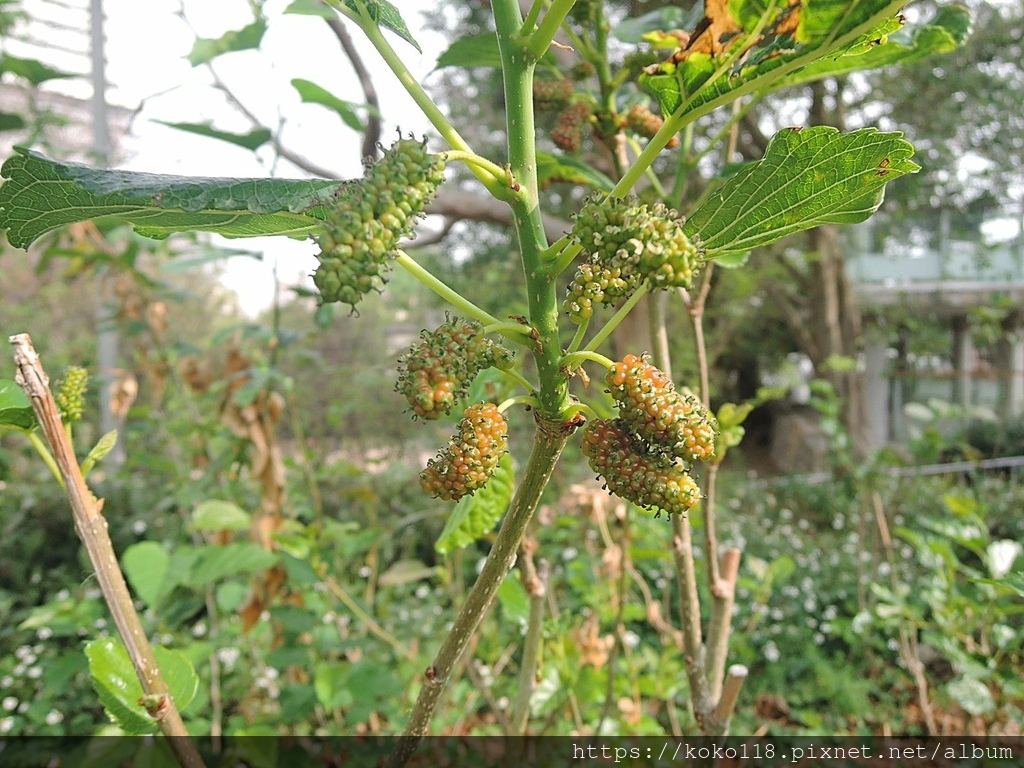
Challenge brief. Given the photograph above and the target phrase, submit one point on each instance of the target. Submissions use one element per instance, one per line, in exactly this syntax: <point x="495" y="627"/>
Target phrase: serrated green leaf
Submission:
<point x="827" y="28"/>
<point x="311" y="93"/>
<point x="15" y="407"/>
<point x="807" y="178"/>
<point x="114" y="679"/>
<point x="99" y="451"/>
<point x="145" y="565"/>
<point x="246" y="38"/>
<point x="217" y="515"/>
<point x="562" y="168"/>
<point x="888" y="45"/>
<point x="384" y="14"/>
<point x="41" y="194"/>
<point x="252" y="140"/>
<point x="213" y="563"/>
<point x="32" y="70"/>
<point x="476" y="515"/>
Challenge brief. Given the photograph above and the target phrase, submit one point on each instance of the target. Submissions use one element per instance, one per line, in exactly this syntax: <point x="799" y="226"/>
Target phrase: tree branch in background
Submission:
<point x="371" y="137"/>
<point x="92" y="529"/>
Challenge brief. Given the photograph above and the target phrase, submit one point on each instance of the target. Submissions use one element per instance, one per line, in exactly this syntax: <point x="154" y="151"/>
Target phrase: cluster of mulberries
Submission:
<point x="70" y="396"/>
<point x="625" y="243"/>
<point x="643" y="122"/>
<point x="641" y="455"/>
<point x="438" y="370"/>
<point x="669" y="421"/>
<point x="550" y="94"/>
<point x="629" y="470"/>
<point x="466" y="464"/>
<point x="570" y="127"/>
<point x="368" y="219"/>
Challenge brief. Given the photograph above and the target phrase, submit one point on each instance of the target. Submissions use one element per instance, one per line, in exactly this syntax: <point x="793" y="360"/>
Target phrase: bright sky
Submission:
<point x="147" y="46"/>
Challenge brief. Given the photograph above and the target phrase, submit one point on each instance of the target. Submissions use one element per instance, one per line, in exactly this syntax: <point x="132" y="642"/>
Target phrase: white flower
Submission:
<point x="1001" y="555"/>
<point x="9" y="703"/>
<point x="53" y="717"/>
<point x="771" y="651"/>
<point x="6" y="724"/>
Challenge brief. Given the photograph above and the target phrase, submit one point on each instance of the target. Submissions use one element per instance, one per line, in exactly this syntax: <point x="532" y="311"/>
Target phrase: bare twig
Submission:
<point x="535" y="580"/>
<point x="371" y="137"/>
<point x="730" y="693"/>
<point x="720" y="625"/>
<point x="92" y="528"/>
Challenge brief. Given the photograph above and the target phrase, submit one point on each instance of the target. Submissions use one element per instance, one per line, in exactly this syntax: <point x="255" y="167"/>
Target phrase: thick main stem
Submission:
<point x="549" y="441"/>
<point x="92" y="528"/>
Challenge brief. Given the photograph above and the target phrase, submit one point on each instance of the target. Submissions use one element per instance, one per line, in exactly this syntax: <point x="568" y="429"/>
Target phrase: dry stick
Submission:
<point x="371" y="137"/>
<point x="908" y="639"/>
<point x="535" y="580"/>
<point x="548" y="443"/>
<point x="721" y="621"/>
<point x="686" y="571"/>
<point x="92" y="528"/>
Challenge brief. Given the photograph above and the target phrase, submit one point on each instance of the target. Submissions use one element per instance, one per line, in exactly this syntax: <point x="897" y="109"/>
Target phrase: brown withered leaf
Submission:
<point x="714" y="32"/>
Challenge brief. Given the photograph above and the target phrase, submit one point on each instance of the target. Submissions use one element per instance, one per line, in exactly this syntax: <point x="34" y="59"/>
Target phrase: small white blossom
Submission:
<point x="53" y="717"/>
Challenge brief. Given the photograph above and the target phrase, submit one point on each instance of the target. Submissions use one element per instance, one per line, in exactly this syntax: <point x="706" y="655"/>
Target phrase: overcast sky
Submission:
<point x="146" y="48"/>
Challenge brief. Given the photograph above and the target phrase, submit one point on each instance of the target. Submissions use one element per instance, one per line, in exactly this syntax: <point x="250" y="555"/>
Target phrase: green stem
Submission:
<point x="539" y="41"/>
<point x="531" y="18"/>
<point x="415" y="90"/>
<point x="520" y="379"/>
<point x="508" y="329"/>
<point x="473" y="160"/>
<point x="583" y="408"/>
<point x="575" y="359"/>
<point x="577" y="340"/>
<point x="44" y="452"/>
<point x="504" y="405"/>
<point x="450" y="295"/>
<point x="617" y="318"/>
<point x="561" y="261"/>
<point x="551" y="253"/>
<point x="549" y="441"/>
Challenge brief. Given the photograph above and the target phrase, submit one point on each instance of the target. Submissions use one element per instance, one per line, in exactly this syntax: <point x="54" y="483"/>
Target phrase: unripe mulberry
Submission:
<point x="625" y="243"/>
<point x="438" y="370"/>
<point x="549" y="95"/>
<point x="368" y="219"/>
<point x="569" y="130"/>
<point x="641" y="121"/>
<point x="630" y="470"/>
<point x="70" y="395"/>
<point x="672" y="422"/>
<point x="466" y="464"/>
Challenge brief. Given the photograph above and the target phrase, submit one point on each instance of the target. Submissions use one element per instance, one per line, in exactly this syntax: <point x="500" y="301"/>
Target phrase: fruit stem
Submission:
<point x="437" y="118"/>
<point x="450" y="295"/>
<point x="539" y="42"/>
<point x="617" y="318"/>
<point x="574" y="359"/>
<point x="508" y="329"/>
<point x="473" y="160"/>
<point x="504" y="405"/>
<point x="577" y="340"/>
<point x="583" y="408"/>
<point x="516" y="376"/>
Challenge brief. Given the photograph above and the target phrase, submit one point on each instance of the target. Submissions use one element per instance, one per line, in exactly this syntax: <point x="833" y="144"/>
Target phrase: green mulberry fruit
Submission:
<point x="466" y="464"/>
<point x="368" y="219"/>
<point x="625" y="243"/>
<point x="70" y="396"/>
<point x="670" y="421"/>
<point x="630" y="470"/>
<point x="569" y="129"/>
<point x="438" y="370"/>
